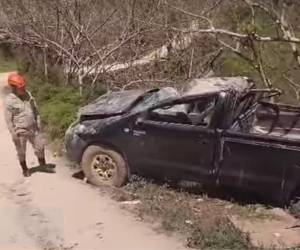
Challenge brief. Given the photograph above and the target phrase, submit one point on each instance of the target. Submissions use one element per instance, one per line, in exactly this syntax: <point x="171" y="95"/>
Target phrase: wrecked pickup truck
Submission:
<point x="219" y="131"/>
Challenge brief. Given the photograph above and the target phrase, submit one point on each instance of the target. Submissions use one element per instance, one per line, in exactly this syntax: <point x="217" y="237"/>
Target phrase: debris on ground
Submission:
<point x="134" y="202"/>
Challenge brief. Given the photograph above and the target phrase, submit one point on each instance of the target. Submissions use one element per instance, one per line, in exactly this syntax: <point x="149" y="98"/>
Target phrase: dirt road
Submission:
<point x="55" y="211"/>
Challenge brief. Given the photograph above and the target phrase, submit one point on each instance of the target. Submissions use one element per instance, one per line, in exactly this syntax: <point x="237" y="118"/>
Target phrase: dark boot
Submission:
<point x="49" y="168"/>
<point x="26" y="171"/>
<point x="42" y="162"/>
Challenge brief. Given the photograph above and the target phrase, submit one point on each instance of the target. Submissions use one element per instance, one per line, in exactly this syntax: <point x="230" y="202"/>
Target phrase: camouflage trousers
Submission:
<point x="35" y="138"/>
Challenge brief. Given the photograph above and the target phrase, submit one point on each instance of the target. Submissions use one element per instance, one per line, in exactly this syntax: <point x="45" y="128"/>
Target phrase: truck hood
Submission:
<point x="113" y="103"/>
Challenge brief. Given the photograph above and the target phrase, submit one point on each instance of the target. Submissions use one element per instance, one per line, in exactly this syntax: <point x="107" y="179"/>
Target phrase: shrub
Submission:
<point x="58" y="104"/>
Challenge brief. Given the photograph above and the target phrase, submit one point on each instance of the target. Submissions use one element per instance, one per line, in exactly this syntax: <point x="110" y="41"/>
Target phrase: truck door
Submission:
<point x="252" y="163"/>
<point x="171" y="145"/>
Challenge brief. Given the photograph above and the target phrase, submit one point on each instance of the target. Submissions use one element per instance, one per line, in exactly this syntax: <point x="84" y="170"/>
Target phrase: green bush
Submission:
<point x="7" y="63"/>
<point x="235" y="66"/>
<point x="222" y="235"/>
<point x="58" y="105"/>
<point x="58" y="116"/>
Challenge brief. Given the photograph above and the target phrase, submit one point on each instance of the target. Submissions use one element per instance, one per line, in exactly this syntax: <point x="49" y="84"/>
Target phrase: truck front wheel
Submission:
<point x="104" y="166"/>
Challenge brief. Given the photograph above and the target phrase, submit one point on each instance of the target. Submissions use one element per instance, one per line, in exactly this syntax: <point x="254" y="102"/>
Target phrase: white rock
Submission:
<point x="134" y="202"/>
<point x="277" y="235"/>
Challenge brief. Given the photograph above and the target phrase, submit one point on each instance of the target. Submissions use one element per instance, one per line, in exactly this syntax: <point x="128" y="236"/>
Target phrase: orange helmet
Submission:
<point x="16" y="80"/>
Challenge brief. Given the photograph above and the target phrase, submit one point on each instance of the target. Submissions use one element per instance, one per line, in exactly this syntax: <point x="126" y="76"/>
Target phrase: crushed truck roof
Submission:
<point x="216" y="84"/>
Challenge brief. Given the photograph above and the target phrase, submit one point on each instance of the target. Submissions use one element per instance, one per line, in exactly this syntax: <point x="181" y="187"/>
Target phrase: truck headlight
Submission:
<point x="82" y="129"/>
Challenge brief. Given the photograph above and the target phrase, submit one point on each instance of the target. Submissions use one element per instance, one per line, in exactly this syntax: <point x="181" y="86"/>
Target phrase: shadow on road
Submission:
<point x="49" y="168"/>
<point x="78" y="175"/>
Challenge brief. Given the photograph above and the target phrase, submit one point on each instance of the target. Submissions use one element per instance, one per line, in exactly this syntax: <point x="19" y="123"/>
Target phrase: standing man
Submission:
<point x="23" y="121"/>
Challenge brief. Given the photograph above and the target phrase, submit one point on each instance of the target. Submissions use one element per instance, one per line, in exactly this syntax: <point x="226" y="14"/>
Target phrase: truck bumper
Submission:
<point x="74" y="146"/>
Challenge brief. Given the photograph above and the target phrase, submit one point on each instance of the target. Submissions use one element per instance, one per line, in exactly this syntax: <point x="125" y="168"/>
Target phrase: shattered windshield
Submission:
<point x="152" y="99"/>
<point x="112" y="103"/>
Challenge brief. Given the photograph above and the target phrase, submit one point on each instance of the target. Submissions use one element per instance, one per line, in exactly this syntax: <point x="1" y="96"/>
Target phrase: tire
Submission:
<point x="104" y="166"/>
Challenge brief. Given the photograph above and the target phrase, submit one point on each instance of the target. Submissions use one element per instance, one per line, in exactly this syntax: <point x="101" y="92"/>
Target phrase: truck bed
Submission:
<point x="277" y="120"/>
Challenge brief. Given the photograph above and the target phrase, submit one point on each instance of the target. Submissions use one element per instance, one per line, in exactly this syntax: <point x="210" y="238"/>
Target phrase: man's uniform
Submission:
<point x="24" y="124"/>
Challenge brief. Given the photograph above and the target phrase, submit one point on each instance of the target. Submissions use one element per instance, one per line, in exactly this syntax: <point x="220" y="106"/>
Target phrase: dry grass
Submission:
<point x="202" y="220"/>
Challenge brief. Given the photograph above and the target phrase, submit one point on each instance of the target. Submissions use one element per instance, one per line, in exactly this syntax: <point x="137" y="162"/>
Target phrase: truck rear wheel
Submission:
<point x="104" y="166"/>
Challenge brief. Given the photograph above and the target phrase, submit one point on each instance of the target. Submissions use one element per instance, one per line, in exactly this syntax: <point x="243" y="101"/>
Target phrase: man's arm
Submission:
<point x="35" y="111"/>
<point x="39" y="121"/>
<point x="9" y="121"/>
<point x="36" y="115"/>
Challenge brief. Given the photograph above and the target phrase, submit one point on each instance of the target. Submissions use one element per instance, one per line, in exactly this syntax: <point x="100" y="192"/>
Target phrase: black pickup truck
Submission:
<point x="219" y="131"/>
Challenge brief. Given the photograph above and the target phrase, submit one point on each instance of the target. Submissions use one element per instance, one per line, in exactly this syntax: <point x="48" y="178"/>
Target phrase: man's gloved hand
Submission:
<point x="21" y="132"/>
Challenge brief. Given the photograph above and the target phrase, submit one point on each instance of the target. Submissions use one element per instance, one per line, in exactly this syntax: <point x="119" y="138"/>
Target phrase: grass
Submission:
<point x="58" y="103"/>
<point x="58" y="106"/>
<point x="7" y="64"/>
<point x="203" y="221"/>
<point x="223" y="235"/>
<point x="235" y="66"/>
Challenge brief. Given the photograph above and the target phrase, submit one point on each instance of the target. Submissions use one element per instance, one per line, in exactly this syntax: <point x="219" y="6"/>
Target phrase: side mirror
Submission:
<point x="141" y="118"/>
<point x="139" y="121"/>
